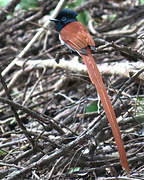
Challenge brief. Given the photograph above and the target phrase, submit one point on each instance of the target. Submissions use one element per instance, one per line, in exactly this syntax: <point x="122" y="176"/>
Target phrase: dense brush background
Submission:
<point x="52" y="125"/>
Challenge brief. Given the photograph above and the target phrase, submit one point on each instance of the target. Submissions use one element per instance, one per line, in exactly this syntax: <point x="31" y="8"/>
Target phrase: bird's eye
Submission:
<point x="63" y="18"/>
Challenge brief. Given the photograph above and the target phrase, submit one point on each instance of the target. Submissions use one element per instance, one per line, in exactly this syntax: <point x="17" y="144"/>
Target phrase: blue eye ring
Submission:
<point x="63" y="18"/>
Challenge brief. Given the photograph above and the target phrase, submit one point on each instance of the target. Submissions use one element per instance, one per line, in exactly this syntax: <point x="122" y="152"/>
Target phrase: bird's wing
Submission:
<point x="77" y="37"/>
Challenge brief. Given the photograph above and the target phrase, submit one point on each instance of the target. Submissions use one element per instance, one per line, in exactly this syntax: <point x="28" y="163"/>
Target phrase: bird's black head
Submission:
<point x="64" y="17"/>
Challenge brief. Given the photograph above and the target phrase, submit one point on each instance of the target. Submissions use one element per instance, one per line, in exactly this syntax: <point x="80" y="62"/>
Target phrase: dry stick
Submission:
<point x="10" y="165"/>
<point x="15" y="78"/>
<point x="49" y="158"/>
<point x="125" y="85"/>
<point x="33" y="114"/>
<point x="16" y="114"/>
<point x="22" y="53"/>
<point x="9" y="8"/>
<point x="67" y="148"/>
<point x="9" y="144"/>
<point x="84" y="137"/>
<point x="55" y="155"/>
<point x="19" y="157"/>
<point x="53" y="168"/>
<point x="130" y="52"/>
<point x="35" y="85"/>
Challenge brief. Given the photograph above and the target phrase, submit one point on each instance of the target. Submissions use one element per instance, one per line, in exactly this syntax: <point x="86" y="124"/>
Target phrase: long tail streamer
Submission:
<point x="96" y="79"/>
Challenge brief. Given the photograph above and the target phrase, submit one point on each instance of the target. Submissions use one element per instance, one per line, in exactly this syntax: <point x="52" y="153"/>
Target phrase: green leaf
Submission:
<point x="92" y="107"/>
<point x="140" y="99"/>
<point x="24" y="4"/>
<point x="27" y="4"/>
<point x="76" y="169"/>
<point x="4" y="2"/>
<point x="2" y="153"/>
<point x="83" y="17"/>
<point x="75" y="3"/>
<point x="140" y="118"/>
<point x="142" y="1"/>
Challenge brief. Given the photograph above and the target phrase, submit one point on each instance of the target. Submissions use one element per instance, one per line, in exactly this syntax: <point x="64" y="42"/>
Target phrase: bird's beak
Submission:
<point x="54" y="20"/>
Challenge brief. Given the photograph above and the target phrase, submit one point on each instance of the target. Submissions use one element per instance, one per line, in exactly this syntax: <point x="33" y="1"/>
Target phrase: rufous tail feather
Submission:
<point x="96" y="79"/>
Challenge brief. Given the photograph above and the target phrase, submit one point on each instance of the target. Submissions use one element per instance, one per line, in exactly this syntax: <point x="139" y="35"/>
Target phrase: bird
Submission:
<point x="76" y="37"/>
